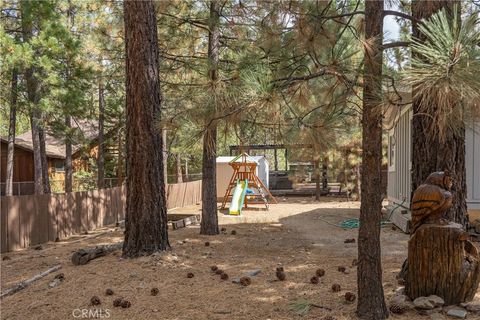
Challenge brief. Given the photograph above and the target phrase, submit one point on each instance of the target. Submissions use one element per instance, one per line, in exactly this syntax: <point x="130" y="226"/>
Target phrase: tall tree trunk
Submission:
<point x="11" y="134"/>
<point x="325" y="173"/>
<point x="165" y="157"/>
<point x="371" y="301"/>
<point x="68" y="156"/>
<point x="43" y="157"/>
<point x="317" y="179"/>
<point x="101" y="142"/>
<point x="33" y="97"/>
<point x="32" y="87"/>
<point x="429" y="153"/>
<point x="186" y="170"/>
<point x="68" y="120"/>
<point x="120" y="159"/>
<point x="178" y="168"/>
<point x="209" y="223"/>
<point x="146" y="212"/>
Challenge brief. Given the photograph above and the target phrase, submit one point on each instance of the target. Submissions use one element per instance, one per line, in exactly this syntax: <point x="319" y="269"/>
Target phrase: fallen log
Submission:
<point x="83" y="256"/>
<point x="23" y="284"/>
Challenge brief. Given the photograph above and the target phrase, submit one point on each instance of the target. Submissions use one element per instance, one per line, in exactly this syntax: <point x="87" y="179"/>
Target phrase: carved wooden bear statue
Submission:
<point x="432" y="200"/>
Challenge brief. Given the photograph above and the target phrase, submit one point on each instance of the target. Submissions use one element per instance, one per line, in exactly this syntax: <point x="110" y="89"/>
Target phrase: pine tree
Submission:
<point x="146" y="212"/>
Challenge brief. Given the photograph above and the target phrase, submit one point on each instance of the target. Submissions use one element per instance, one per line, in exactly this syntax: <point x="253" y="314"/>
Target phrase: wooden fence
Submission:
<point x="35" y="219"/>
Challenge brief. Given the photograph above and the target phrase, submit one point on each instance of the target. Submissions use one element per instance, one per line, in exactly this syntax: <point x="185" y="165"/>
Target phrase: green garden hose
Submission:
<point x="355" y="223"/>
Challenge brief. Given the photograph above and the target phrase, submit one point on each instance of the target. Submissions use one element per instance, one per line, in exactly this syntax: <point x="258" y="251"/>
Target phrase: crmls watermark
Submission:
<point x="91" y="313"/>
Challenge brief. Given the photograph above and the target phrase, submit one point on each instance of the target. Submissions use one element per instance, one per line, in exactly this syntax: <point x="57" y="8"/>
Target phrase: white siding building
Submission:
<point x="398" y="126"/>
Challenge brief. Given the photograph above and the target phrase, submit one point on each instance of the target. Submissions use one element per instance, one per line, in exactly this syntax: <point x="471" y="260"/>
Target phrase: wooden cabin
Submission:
<point x="398" y="126"/>
<point x="23" y="173"/>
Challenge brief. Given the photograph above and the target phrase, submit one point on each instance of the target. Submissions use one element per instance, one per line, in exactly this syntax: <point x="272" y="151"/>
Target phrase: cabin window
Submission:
<point x="391" y="151"/>
<point x="59" y="166"/>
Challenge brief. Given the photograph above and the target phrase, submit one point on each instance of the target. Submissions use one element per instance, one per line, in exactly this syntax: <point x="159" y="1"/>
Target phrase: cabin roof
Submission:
<point x="54" y="146"/>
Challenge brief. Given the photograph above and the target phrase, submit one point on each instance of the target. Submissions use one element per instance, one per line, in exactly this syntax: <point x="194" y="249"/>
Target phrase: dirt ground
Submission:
<point x="298" y="234"/>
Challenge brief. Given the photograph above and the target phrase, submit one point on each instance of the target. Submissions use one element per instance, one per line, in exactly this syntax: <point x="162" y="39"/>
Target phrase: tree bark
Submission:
<point x="146" y="212"/>
<point x="120" y="159"/>
<point x="68" y="156"/>
<point x="43" y="157"/>
<point x="165" y="157"/>
<point x="101" y="142"/>
<point x="429" y="153"/>
<point x="11" y="134"/>
<point x="317" y="179"/>
<point x="209" y="223"/>
<point x="371" y="301"/>
<point x="178" y="167"/>
<point x="33" y="97"/>
<point x="325" y="173"/>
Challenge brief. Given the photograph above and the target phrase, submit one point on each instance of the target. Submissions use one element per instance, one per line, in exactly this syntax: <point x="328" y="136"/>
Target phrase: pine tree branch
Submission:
<point x="399" y="14"/>
<point x="396" y="44"/>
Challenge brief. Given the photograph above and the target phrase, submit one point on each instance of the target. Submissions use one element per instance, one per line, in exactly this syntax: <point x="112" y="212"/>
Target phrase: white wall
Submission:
<point x="399" y="174"/>
<point x="472" y="162"/>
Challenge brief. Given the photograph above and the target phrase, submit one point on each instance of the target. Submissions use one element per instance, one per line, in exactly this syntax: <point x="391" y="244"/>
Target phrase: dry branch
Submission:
<point x="23" y="284"/>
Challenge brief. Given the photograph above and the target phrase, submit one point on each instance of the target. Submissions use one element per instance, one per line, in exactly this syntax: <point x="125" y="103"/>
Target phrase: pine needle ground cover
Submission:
<point x="292" y="234"/>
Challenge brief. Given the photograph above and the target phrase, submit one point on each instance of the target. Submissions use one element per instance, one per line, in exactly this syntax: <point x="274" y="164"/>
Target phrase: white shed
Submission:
<point x="225" y="172"/>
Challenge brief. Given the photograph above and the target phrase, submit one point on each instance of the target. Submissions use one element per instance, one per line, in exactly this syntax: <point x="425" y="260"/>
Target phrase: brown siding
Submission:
<point x="23" y="164"/>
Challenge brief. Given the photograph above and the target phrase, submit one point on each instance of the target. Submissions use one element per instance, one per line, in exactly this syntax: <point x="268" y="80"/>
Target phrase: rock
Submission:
<point x="428" y="303"/>
<point x="399" y="291"/>
<point x="457" y="312"/>
<point x="426" y="312"/>
<point x="472" y="307"/>
<point x="437" y="316"/>
<point x="439" y="302"/>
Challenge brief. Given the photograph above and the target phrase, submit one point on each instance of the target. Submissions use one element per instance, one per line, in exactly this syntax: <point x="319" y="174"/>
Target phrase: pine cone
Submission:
<point x="397" y="309"/>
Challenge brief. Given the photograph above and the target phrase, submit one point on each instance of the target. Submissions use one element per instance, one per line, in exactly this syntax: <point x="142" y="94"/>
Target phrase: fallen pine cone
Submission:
<point x="117" y="302"/>
<point x="224" y="276"/>
<point x="190" y="275"/>
<point x="281" y="275"/>
<point x="396" y="309"/>
<point x="126" y="304"/>
<point x="95" y="301"/>
<point x="218" y="271"/>
<point x="233" y="232"/>
<point x="109" y="292"/>
<point x="314" y="280"/>
<point x="342" y="269"/>
<point x="336" y="287"/>
<point x="320" y="273"/>
<point x="214" y="268"/>
<point x="207" y="243"/>
<point x="245" y="281"/>
<point x="350" y="297"/>
<point x="223" y="230"/>
<point x="154" y="291"/>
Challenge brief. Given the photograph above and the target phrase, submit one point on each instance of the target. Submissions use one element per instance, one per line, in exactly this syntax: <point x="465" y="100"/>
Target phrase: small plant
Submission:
<point x="302" y="306"/>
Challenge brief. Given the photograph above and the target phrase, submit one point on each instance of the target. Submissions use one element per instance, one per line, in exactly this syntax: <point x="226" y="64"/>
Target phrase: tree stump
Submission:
<point x="441" y="261"/>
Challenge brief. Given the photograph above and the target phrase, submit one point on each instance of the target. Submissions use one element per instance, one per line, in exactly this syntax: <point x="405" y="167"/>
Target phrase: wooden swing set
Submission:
<point x="245" y="171"/>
